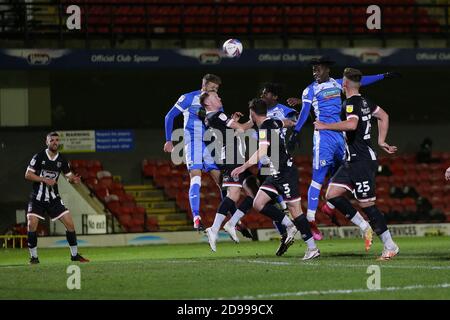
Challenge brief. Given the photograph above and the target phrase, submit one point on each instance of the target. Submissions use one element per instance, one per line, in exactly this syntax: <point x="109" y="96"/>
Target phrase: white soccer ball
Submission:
<point x="232" y="48"/>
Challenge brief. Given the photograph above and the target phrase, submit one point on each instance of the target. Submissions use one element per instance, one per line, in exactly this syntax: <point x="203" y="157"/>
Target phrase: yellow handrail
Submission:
<point x="7" y="237"/>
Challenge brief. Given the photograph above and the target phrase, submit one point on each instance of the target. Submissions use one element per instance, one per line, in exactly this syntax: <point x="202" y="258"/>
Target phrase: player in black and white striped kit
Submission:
<point x="357" y="174"/>
<point x="44" y="170"/>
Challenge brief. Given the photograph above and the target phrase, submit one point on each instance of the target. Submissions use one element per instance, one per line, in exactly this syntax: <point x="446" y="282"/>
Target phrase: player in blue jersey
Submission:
<point x="271" y="93"/>
<point x="324" y="97"/>
<point x="197" y="156"/>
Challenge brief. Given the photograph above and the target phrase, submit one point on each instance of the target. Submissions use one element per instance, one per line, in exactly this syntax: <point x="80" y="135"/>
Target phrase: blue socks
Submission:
<point x="194" y="195"/>
<point x="313" y="200"/>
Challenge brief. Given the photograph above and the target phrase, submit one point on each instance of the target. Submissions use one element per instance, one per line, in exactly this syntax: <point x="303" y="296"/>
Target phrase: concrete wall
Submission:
<point x="24" y="99"/>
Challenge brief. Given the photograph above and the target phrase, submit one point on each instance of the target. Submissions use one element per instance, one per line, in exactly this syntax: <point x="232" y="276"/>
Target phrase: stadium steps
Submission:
<point x="157" y="206"/>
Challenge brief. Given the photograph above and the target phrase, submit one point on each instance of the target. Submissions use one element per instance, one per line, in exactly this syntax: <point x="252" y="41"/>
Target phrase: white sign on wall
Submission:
<point x="77" y="141"/>
<point x="96" y="224"/>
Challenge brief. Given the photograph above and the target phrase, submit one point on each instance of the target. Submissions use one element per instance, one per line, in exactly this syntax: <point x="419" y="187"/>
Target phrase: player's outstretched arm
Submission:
<point x="368" y="80"/>
<point x="241" y="127"/>
<point x="254" y="159"/>
<point x="288" y="123"/>
<point x="348" y="125"/>
<point x="304" y="114"/>
<point x="383" y="128"/>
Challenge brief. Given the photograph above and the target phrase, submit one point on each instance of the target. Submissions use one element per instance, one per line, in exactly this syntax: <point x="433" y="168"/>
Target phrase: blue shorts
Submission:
<point x="328" y="149"/>
<point x="198" y="157"/>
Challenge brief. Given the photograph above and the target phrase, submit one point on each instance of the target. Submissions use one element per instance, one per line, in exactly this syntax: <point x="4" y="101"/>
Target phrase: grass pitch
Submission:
<point x="248" y="270"/>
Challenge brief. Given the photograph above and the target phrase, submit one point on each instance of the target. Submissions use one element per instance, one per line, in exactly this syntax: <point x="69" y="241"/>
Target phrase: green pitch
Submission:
<point x="248" y="270"/>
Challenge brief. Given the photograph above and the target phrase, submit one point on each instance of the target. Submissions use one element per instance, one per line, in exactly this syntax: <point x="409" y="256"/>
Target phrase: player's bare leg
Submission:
<point x="227" y="205"/>
<point x="250" y="187"/>
<point x="194" y="197"/>
<point x="284" y="246"/>
<point x="215" y="174"/>
<point x="336" y="196"/>
<point x="378" y="223"/>
<point x="262" y="204"/>
<point x="71" y="236"/>
<point x="32" y="225"/>
<point x="302" y="224"/>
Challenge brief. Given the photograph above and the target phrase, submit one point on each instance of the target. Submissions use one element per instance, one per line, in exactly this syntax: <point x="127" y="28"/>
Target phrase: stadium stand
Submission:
<point x="132" y="206"/>
<point x="241" y="17"/>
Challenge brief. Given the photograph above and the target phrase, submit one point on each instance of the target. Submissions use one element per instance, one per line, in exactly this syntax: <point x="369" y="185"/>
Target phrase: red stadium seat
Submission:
<point x="101" y="192"/>
<point x="91" y="183"/>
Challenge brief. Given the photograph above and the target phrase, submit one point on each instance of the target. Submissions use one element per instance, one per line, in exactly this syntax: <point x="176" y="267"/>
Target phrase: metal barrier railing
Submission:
<point x="13" y="241"/>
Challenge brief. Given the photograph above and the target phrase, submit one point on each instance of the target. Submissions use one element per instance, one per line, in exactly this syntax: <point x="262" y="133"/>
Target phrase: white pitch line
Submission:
<point x="334" y="265"/>
<point x="334" y="291"/>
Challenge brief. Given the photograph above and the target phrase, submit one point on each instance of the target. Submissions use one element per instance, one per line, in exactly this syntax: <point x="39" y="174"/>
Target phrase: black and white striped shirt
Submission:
<point x="359" y="146"/>
<point x="44" y="166"/>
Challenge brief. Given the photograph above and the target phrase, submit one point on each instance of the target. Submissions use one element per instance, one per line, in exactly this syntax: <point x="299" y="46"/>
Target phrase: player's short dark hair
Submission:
<point x="274" y="88"/>
<point x="353" y="74"/>
<point x="212" y="78"/>
<point x="52" y="134"/>
<point x="259" y="106"/>
<point x="203" y="97"/>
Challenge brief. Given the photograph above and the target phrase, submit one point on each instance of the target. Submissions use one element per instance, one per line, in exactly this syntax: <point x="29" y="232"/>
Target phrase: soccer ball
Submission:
<point x="232" y="48"/>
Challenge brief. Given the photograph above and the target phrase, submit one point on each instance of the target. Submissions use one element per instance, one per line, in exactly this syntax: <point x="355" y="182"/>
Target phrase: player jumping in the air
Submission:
<point x="232" y="154"/>
<point x="324" y="96"/>
<point x="271" y="92"/>
<point x="198" y="158"/>
<point x="44" y="170"/>
<point x="357" y="174"/>
<point x="281" y="180"/>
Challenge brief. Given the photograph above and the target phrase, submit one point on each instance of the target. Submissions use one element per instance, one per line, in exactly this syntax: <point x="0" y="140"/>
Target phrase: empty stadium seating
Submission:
<point x="122" y="206"/>
<point x="253" y="17"/>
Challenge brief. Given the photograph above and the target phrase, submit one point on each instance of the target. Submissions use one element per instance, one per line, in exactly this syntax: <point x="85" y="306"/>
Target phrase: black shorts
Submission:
<point x="55" y="208"/>
<point x="229" y="181"/>
<point x="284" y="184"/>
<point x="358" y="178"/>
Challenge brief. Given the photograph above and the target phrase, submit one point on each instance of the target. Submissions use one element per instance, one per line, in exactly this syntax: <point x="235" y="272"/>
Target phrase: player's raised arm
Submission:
<point x="368" y="80"/>
<point x="307" y="97"/>
<point x="383" y="128"/>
